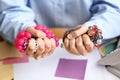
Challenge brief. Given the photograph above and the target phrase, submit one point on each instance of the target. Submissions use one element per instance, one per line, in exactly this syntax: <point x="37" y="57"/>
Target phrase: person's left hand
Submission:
<point x="78" y="42"/>
<point x="45" y="46"/>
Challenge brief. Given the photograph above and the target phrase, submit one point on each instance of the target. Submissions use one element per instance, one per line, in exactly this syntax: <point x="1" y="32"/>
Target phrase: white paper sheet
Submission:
<point x="44" y="69"/>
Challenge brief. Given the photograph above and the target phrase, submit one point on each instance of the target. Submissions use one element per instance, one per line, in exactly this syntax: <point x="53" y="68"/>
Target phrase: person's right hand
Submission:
<point x="45" y="45"/>
<point x="77" y="41"/>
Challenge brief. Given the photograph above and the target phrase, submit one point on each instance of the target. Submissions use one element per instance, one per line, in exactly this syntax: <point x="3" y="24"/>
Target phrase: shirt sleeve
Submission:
<point x="106" y="15"/>
<point x="14" y="16"/>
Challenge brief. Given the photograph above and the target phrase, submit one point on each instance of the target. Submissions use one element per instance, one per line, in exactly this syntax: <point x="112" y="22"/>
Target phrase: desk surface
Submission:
<point x="59" y="32"/>
<point x="45" y="68"/>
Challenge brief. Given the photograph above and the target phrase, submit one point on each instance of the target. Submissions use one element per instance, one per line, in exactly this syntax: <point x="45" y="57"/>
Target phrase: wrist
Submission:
<point x="95" y="35"/>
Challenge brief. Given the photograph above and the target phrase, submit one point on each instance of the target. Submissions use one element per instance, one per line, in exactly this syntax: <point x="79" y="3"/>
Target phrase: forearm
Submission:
<point x="106" y="16"/>
<point x="14" y="18"/>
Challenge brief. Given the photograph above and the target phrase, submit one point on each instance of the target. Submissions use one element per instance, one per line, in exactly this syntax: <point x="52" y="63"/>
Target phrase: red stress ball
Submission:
<point x="22" y="37"/>
<point x="21" y="41"/>
<point x="48" y="33"/>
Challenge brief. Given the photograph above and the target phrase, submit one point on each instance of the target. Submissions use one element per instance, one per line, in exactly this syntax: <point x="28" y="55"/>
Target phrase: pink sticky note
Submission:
<point x="14" y="60"/>
<point x="70" y="68"/>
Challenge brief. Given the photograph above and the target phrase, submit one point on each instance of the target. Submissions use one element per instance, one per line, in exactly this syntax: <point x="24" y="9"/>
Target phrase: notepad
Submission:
<point x="106" y="48"/>
<point x="45" y="68"/>
<point x="112" y="60"/>
<point x="71" y="68"/>
<point x="16" y="60"/>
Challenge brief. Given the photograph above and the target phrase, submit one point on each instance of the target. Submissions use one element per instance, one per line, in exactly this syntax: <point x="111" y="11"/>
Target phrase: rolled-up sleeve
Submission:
<point x="14" y="16"/>
<point x="106" y="15"/>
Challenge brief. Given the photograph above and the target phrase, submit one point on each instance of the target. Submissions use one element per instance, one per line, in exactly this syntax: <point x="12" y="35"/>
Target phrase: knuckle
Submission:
<point x="41" y="47"/>
<point x="53" y="43"/>
<point x="75" y="33"/>
<point x="37" y="33"/>
<point x="30" y="48"/>
<point x="88" y="44"/>
<point x="53" y="46"/>
<point x="48" y="46"/>
<point x="72" y="47"/>
<point x="79" y="45"/>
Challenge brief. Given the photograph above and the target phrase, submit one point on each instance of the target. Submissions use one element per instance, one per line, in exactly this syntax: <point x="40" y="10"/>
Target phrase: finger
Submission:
<point x="73" y="48"/>
<point x="47" y="43"/>
<point x="80" y="47"/>
<point x="53" y="46"/>
<point x="88" y="43"/>
<point x="41" y="48"/>
<point x="67" y="44"/>
<point x="79" y="30"/>
<point x="31" y="47"/>
<point x="35" y="32"/>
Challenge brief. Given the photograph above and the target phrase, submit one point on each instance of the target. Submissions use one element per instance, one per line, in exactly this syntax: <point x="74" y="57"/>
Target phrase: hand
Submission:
<point x="77" y="42"/>
<point x="45" y="46"/>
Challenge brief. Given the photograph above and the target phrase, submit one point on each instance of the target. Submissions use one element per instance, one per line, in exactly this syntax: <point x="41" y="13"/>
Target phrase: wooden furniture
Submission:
<point x="1" y="39"/>
<point x="59" y="32"/>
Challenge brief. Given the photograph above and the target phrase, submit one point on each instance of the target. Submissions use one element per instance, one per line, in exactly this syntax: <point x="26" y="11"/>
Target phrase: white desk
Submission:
<point x="45" y="68"/>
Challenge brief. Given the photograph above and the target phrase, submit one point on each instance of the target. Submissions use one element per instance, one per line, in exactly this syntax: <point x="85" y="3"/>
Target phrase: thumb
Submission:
<point x="79" y="30"/>
<point x="35" y="32"/>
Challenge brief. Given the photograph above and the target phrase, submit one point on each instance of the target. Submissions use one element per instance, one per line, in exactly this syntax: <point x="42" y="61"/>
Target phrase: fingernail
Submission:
<point x="69" y="36"/>
<point x="42" y="35"/>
